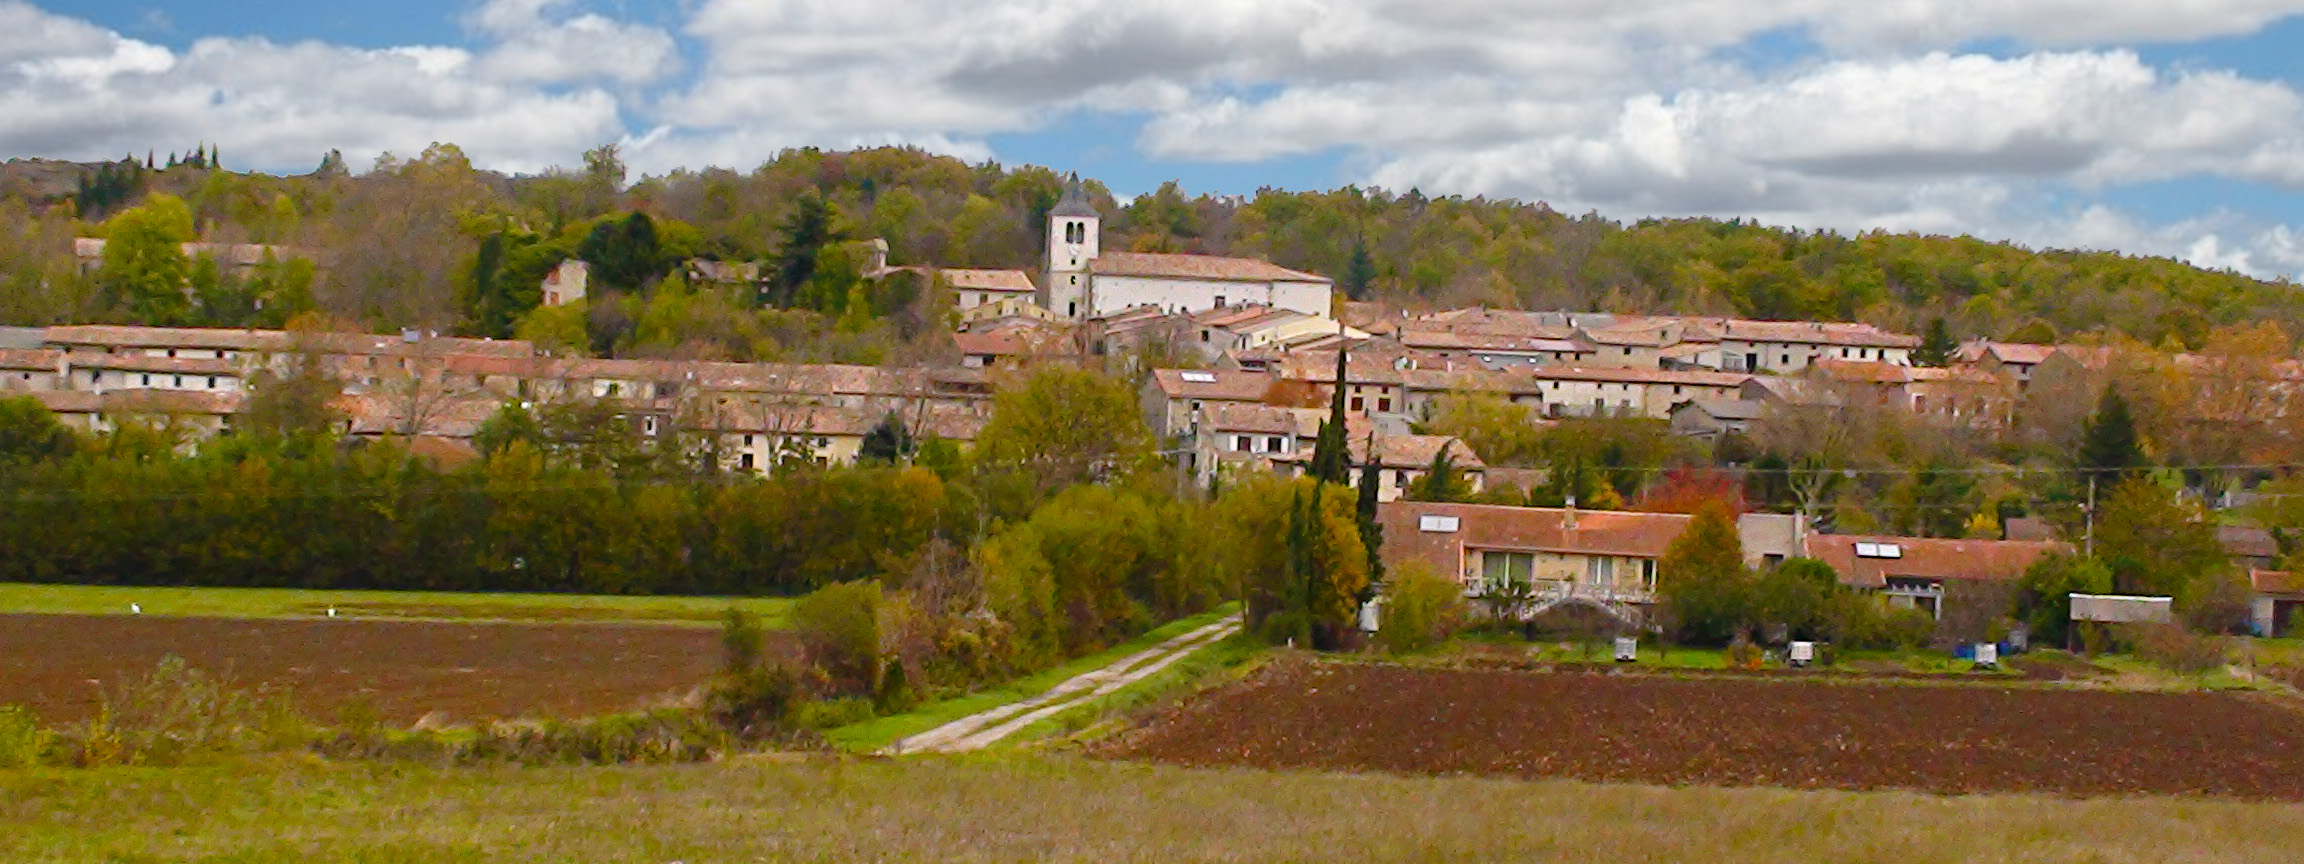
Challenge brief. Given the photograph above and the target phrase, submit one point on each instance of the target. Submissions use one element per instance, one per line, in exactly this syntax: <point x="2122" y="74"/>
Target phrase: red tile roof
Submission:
<point x="1529" y="529"/>
<point x="1927" y="558"/>
<point x="1212" y="384"/>
<point x="1196" y="267"/>
<point x="1015" y="281"/>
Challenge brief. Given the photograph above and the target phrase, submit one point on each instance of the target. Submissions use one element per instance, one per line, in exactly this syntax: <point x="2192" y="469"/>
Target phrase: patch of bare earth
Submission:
<point x="1736" y="731"/>
<point x="406" y="670"/>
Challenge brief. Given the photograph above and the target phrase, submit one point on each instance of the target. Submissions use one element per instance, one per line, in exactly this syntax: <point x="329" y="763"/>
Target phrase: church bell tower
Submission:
<point x="1073" y="230"/>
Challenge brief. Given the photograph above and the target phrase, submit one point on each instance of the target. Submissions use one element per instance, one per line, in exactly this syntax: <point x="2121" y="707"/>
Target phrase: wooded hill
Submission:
<point x="408" y="243"/>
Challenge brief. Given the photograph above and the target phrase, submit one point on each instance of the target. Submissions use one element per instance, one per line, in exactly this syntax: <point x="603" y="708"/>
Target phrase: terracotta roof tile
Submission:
<point x="1927" y="558"/>
<point x="1196" y="267"/>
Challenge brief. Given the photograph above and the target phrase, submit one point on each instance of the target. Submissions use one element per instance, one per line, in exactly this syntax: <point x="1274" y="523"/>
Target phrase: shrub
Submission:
<point x="1421" y="608"/>
<point x="2173" y="647"/>
<point x="22" y="742"/>
<point x="839" y="631"/>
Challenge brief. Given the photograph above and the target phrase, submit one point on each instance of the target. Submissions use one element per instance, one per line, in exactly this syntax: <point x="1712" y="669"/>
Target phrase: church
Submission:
<point x="1083" y="282"/>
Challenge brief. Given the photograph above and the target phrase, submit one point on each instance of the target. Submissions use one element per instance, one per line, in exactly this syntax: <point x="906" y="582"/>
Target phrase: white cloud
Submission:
<point x="273" y="104"/>
<point x="1633" y="107"/>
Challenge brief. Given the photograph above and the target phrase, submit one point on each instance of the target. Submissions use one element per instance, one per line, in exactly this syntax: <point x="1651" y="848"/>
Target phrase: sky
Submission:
<point x="2158" y="127"/>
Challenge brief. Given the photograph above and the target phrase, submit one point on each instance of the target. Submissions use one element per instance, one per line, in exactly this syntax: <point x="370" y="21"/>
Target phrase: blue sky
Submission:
<point x="2146" y="127"/>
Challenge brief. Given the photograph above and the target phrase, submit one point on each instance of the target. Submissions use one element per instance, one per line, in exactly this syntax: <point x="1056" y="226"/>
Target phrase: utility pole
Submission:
<point x="2088" y="536"/>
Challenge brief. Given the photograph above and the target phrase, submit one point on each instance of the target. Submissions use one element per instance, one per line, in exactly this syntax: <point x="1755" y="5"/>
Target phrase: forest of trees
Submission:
<point x="430" y="241"/>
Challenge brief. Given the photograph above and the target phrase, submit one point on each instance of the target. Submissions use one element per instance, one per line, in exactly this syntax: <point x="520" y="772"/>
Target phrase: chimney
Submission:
<point x="1568" y="515"/>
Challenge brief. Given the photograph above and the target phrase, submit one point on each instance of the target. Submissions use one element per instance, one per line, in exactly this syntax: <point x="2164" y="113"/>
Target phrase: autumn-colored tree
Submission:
<point x="1703" y="580"/>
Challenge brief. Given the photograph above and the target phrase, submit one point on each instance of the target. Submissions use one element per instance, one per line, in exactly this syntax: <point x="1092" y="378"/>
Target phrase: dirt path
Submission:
<point x="985" y="728"/>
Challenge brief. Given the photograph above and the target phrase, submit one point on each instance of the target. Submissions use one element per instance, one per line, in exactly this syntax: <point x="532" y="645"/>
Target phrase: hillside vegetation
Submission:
<point x="431" y="241"/>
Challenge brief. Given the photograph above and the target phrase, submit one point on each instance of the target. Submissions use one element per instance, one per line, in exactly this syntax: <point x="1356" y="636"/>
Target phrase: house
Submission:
<point x="1083" y="281"/>
<point x="1375" y="385"/>
<point x="1007" y="347"/>
<point x="1401" y="460"/>
<point x="2278" y="594"/>
<point x="1787" y="347"/>
<point x="1423" y="388"/>
<point x="1496" y="350"/>
<point x="1638" y="343"/>
<point x="757" y="438"/>
<point x="1711" y="419"/>
<point x="2016" y="359"/>
<point x="973" y="288"/>
<point x="32" y="369"/>
<point x="567" y="282"/>
<point x="90" y="252"/>
<point x="100" y="373"/>
<point x="1628" y="391"/>
<point x="1239" y="327"/>
<point x="1173" y="399"/>
<point x="1603" y="558"/>
<point x="1233" y="437"/>
<point x="1911" y="572"/>
<point x="2250" y="547"/>
<point x="1004" y="311"/>
<point x="197" y="415"/>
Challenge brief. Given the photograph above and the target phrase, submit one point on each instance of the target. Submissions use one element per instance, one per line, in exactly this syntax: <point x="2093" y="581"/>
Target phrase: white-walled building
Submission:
<point x="1083" y="281"/>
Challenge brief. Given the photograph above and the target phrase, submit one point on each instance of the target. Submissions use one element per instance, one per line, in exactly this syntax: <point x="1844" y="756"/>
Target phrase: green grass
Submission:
<point x="877" y="733"/>
<point x="405" y="605"/>
<point x="1021" y="807"/>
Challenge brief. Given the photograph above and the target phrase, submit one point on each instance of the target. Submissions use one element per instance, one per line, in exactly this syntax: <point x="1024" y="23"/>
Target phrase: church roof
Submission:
<point x="1075" y="203"/>
<point x="1197" y="267"/>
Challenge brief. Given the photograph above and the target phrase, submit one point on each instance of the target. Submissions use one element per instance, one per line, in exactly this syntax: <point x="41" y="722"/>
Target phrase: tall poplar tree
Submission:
<point x="1331" y="463"/>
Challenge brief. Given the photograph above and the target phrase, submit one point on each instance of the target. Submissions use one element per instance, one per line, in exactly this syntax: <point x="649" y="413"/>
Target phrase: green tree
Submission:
<point x="29" y="433"/>
<point x="299" y="402"/>
<point x="1795" y="595"/>
<point x="1443" y="481"/>
<point x="888" y="442"/>
<point x="1420" y="608"/>
<point x="145" y="272"/>
<point x="2109" y="451"/>
<point x="1292" y="546"/>
<point x="1063" y="426"/>
<point x="1367" y="509"/>
<point x="2155" y="543"/>
<point x="1937" y="346"/>
<point x="1331" y="459"/>
<point x="1359" y="272"/>
<point x="2044" y="596"/>
<point x="838" y="628"/>
<point x="812" y="226"/>
<point x="511" y="423"/>
<point x="624" y="254"/>
<point x="1703" y="581"/>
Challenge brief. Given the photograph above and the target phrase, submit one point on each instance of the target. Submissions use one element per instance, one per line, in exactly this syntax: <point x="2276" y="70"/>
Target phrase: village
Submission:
<point x="1238" y="362"/>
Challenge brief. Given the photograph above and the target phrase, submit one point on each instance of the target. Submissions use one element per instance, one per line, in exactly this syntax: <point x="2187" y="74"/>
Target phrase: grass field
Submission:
<point x="18" y="597"/>
<point x="874" y="734"/>
<point x="1061" y="809"/>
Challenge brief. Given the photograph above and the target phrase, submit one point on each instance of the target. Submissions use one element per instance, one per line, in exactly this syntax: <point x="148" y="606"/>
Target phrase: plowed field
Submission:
<point x="1744" y="732"/>
<point x="406" y="670"/>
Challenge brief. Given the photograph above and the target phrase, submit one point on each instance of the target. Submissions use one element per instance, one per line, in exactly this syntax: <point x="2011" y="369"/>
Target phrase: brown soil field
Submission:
<point x="1659" y="729"/>
<point x="55" y="664"/>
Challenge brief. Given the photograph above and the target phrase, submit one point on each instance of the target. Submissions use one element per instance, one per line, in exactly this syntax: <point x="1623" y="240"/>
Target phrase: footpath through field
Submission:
<point x="985" y="728"/>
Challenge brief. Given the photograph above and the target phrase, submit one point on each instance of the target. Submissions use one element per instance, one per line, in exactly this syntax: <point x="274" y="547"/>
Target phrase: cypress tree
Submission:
<point x="1359" y="272"/>
<point x="1371" y="531"/>
<point x="1937" y="346"/>
<point x="2108" y="447"/>
<point x="1330" y="462"/>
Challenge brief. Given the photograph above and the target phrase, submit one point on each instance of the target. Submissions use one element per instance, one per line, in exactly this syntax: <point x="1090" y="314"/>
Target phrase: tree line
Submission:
<point x="406" y="244"/>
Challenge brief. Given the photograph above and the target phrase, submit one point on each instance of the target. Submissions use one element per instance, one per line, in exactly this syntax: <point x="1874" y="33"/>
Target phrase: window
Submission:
<point x="1384" y="404"/>
<point x="1400" y="477"/>
<point x="647" y="425"/>
<point x="1786" y="361"/>
<point x="179" y="382"/>
<point x="1275" y="444"/>
<point x="1507" y="566"/>
<point x="1648" y="574"/>
<point x="613" y="387"/>
<point x="747" y="444"/>
<point x="1243" y="444"/>
<point x="1072" y="309"/>
<point x="1436" y="524"/>
<point x="147" y="380"/>
<point x="1203" y="335"/>
<point x="1356" y="403"/>
<point x="1197" y="377"/>
<point x="1879" y="550"/>
<point x="1599" y="570"/>
<point x="1219" y="301"/>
